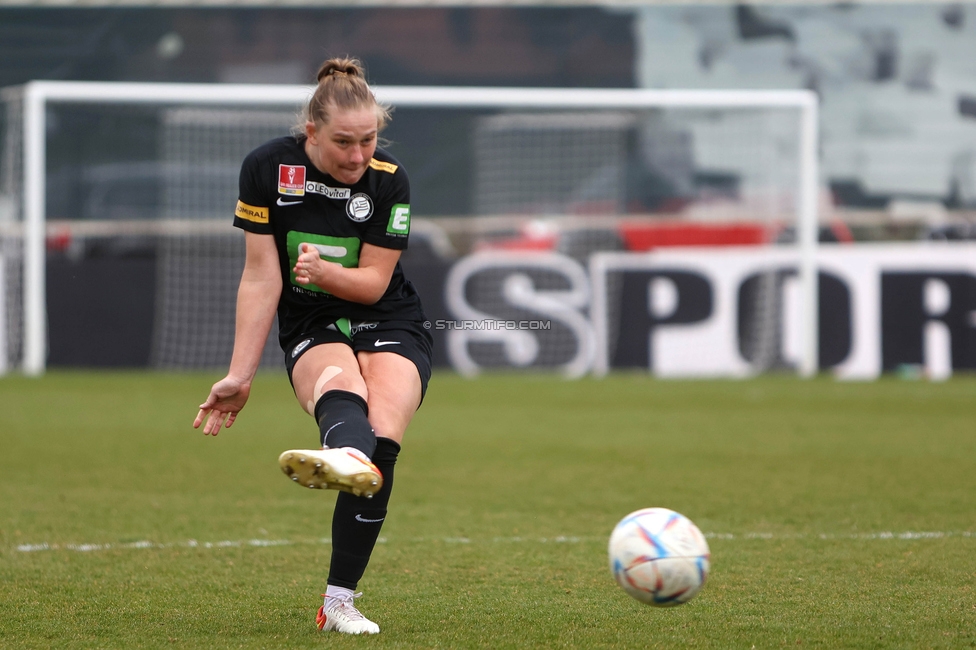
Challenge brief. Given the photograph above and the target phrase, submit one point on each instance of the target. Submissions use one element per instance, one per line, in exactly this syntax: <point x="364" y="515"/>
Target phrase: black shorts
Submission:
<point x="409" y="339"/>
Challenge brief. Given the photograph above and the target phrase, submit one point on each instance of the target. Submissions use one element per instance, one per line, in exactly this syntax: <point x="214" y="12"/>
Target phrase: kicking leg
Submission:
<point x="328" y="382"/>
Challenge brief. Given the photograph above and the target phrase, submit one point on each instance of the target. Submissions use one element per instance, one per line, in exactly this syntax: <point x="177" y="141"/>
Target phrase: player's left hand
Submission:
<point x="227" y="398"/>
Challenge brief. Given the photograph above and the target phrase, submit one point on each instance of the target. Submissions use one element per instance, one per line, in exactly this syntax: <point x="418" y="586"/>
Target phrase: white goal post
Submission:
<point x="37" y="96"/>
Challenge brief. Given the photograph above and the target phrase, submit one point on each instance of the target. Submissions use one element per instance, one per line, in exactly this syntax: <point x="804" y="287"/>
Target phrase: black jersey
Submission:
<point x="283" y="194"/>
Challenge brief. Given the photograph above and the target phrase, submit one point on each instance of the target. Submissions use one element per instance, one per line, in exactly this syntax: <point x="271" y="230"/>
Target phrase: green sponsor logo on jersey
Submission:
<point x="341" y="250"/>
<point x="399" y="220"/>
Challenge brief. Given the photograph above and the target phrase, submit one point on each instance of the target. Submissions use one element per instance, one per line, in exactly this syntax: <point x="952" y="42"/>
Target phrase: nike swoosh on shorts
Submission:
<point x="378" y="344"/>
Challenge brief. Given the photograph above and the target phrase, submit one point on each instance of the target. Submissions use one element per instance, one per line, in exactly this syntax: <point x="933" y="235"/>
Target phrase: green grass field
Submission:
<point x="839" y="515"/>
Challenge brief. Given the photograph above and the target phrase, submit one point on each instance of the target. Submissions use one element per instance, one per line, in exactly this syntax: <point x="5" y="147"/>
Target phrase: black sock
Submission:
<point x="343" y="421"/>
<point x="357" y="521"/>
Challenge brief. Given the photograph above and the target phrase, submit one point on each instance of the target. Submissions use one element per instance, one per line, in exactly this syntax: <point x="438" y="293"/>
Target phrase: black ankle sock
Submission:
<point x="343" y="421"/>
<point x="357" y="521"/>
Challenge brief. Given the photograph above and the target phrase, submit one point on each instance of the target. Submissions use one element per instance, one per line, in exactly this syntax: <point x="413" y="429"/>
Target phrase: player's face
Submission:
<point x="343" y="147"/>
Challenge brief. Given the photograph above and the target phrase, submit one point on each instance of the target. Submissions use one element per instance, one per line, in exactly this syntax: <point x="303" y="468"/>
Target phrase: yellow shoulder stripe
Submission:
<point x="381" y="166"/>
<point x="251" y="213"/>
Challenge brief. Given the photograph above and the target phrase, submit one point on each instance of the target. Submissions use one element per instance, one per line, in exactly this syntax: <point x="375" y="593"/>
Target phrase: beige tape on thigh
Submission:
<point x="327" y="374"/>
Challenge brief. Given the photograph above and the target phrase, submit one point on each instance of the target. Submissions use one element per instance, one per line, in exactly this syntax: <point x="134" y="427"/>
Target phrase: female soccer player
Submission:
<point x="325" y="216"/>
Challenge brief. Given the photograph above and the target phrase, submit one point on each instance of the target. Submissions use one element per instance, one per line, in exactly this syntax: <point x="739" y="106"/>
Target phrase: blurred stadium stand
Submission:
<point x="896" y="84"/>
<point x="576" y="46"/>
<point x="897" y="81"/>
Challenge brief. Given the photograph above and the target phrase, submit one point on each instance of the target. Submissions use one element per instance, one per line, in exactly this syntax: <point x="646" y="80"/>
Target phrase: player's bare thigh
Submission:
<point x="394" y="387"/>
<point x="330" y="366"/>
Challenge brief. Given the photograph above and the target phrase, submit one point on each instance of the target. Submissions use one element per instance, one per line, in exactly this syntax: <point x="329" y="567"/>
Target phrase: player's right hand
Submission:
<point x="227" y="397"/>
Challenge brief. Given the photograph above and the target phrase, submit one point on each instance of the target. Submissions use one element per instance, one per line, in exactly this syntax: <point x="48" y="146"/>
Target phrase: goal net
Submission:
<point x="198" y="270"/>
<point x="11" y="221"/>
<point x="148" y="173"/>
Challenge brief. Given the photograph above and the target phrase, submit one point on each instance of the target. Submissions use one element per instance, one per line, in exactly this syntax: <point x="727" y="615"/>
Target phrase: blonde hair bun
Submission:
<point x="342" y="86"/>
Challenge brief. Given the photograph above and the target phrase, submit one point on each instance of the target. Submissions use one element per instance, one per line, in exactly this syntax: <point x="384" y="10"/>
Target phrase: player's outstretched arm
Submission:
<point x="257" y="300"/>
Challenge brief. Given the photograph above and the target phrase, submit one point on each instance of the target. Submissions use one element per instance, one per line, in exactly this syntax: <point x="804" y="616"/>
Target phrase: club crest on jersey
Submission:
<point x="291" y="180"/>
<point x="359" y="208"/>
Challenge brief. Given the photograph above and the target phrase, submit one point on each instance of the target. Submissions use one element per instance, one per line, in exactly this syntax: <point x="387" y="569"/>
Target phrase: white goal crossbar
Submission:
<point x="38" y="94"/>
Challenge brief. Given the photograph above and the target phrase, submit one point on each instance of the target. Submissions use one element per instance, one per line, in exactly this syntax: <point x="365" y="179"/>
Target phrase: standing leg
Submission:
<point x="394" y="392"/>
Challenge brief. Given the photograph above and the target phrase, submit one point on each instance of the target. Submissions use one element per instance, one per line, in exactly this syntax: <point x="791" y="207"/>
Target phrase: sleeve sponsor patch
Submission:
<point x="251" y="213"/>
<point x="399" y="223"/>
<point x="381" y="166"/>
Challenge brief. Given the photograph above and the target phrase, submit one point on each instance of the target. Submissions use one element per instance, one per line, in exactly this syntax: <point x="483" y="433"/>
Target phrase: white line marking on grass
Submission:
<point x="190" y="543"/>
<point x="268" y="542"/>
<point x="28" y="548"/>
<point x="142" y="544"/>
<point x="84" y="548"/>
<point x="909" y="534"/>
<point x="559" y="539"/>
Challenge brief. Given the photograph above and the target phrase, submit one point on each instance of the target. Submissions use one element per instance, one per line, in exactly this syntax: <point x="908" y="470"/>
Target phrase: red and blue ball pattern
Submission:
<point x="659" y="557"/>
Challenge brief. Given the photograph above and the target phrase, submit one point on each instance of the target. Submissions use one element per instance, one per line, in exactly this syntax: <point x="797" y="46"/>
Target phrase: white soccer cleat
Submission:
<point x="345" y="469"/>
<point x="341" y="615"/>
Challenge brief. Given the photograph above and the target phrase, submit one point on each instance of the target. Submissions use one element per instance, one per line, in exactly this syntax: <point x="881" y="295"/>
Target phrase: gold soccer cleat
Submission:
<point x="345" y="469"/>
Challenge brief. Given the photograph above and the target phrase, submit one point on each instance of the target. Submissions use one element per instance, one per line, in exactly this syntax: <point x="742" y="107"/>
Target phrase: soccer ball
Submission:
<point x="659" y="557"/>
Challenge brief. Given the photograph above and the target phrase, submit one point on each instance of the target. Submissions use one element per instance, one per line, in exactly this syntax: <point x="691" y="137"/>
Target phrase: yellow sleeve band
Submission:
<point x="381" y="166"/>
<point x="251" y="213"/>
